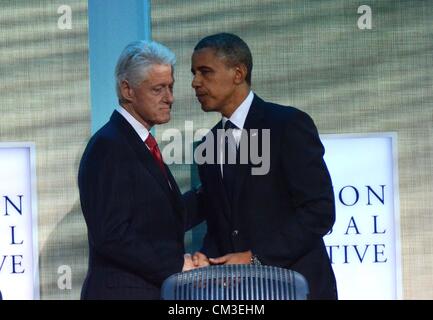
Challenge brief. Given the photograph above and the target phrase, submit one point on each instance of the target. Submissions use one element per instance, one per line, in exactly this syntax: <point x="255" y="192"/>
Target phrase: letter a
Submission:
<point x="65" y="20"/>
<point x="364" y="21"/>
<point x="65" y="280"/>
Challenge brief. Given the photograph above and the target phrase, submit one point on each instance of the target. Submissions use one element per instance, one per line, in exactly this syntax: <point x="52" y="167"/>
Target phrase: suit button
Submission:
<point x="235" y="233"/>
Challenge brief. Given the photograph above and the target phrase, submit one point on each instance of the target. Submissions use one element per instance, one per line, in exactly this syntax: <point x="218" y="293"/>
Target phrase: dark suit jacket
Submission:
<point x="135" y="221"/>
<point x="283" y="215"/>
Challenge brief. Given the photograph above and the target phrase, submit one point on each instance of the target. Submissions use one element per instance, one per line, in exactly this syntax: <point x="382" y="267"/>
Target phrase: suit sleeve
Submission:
<point x="308" y="183"/>
<point x="105" y="183"/>
<point x="193" y="201"/>
<point x="209" y="246"/>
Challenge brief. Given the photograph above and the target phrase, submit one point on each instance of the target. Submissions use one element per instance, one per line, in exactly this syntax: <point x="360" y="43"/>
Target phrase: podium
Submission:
<point x="236" y="282"/>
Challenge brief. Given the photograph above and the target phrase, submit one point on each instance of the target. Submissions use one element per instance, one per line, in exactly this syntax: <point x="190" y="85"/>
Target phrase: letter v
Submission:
<point x="357" y="252"/>
<point x="3" y="262"/>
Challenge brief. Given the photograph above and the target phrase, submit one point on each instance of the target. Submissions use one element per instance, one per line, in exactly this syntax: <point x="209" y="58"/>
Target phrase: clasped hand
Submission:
<point x="199" y="260"/>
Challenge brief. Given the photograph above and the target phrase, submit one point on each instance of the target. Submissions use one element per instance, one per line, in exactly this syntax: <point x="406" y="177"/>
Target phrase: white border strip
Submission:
<point x="34" y="206"/>
<point x="394" y="145"/>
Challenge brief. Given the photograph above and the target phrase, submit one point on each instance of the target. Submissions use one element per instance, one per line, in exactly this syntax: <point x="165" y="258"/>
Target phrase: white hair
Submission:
<point x="137" y="58"/>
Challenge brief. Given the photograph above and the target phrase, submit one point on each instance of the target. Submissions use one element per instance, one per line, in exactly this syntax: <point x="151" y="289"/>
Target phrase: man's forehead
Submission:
<point x="206" y="57"/>
<point x="158" y="70"/>
<point x="158" y="78"/>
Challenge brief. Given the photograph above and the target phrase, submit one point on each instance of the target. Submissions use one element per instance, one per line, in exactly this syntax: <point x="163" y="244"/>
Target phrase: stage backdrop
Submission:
<point x="44" y="84"/>
<point x="354" y="69"/>
<point x="322" y="57"/>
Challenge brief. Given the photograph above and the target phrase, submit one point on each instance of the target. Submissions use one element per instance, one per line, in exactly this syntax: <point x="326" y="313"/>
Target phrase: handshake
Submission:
<point x="199" y="260"/>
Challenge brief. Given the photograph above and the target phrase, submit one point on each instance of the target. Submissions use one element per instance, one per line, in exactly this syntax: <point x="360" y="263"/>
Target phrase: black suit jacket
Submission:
<point x="280" y="216"/>
<point x="135" y="221"/>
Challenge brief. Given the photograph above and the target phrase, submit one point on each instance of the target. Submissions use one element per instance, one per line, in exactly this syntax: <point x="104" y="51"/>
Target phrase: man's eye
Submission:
<point x="157" y="90"/>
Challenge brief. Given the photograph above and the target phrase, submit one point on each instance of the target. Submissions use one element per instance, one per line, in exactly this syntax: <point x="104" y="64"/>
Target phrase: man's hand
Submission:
<point x="200" y="260"/>
<point x="233" y="258"/>
<point x="187" y="262"/>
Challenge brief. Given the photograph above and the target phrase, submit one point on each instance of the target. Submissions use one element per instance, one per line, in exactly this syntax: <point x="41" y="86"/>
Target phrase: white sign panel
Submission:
<point x="19" y="276"/>
<point x="364" y="245"/>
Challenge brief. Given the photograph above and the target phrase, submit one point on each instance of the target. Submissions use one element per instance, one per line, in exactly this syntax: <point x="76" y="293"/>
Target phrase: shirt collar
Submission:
<point x="239" y="116"/>
<point x="138" y="127"/>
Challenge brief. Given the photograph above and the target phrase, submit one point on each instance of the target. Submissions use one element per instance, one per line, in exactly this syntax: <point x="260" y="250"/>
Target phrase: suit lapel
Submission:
<point x="143" y="153"/>
<point x="254" y="120"/>
<point x="215" y="173"/>
<point x="175" y="193"/>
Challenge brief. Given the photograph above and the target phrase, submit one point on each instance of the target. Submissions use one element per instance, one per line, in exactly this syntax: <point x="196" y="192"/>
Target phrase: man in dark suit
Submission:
<point x="133" y="208"/>
<point x="275" y="217"/>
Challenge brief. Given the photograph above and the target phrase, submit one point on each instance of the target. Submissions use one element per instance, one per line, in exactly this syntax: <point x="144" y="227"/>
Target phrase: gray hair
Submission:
<point x="136" y="60"/>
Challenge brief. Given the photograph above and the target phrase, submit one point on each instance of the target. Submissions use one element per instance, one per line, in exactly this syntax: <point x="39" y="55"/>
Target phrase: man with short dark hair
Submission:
<point x="277" y="218"/>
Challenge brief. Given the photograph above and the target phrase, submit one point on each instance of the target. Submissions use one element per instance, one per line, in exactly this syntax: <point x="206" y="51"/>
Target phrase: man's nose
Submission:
<point x="195" y="82"/>
<point x="169" y="96"/>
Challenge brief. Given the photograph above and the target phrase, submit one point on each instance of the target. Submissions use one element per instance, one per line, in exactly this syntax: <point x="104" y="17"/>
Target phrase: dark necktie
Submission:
<point x="230" y="148"/>
<point x="154" y="150"/>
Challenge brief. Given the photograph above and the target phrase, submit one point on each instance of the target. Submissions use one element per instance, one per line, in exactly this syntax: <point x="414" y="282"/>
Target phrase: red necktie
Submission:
<point x="154" y="150"/>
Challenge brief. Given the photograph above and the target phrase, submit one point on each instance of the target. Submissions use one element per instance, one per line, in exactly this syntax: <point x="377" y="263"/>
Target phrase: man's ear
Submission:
<point x="240" y="73"/>
<point x="127" y="91"/>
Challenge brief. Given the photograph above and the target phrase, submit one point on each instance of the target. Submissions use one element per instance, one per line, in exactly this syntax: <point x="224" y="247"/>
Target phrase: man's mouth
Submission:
<point x="200" y="94"/>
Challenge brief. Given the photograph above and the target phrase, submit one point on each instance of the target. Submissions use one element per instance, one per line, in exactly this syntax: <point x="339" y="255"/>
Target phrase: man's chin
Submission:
<point x="163" y="120"/>
<point x="207" y="108"/>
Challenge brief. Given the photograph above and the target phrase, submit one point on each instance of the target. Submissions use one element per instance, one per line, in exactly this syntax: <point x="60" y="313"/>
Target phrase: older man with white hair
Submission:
<point x="133" y="208"/>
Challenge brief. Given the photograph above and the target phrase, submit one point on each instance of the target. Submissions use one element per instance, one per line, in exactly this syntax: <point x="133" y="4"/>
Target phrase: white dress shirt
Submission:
<point x="238" y="119"/>
<point x="137" y="125"/>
